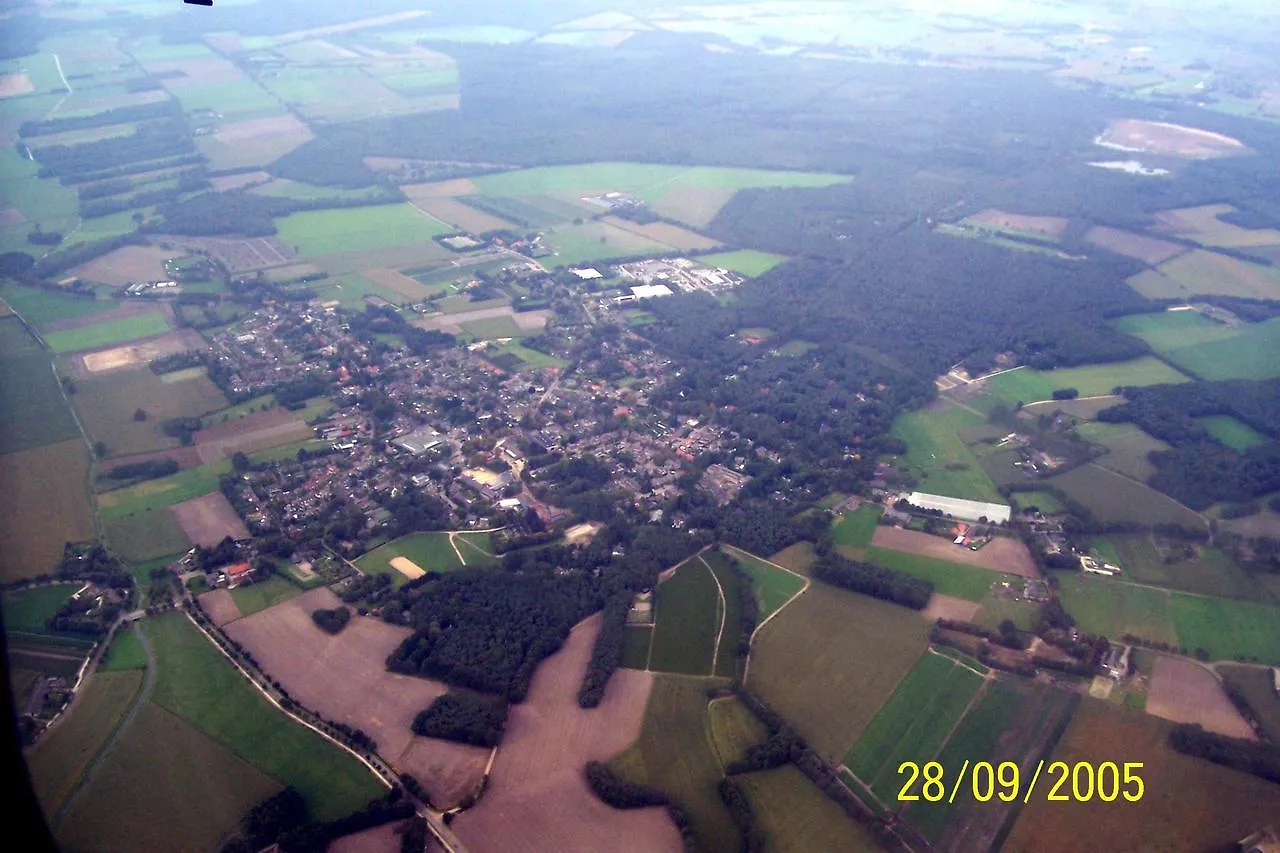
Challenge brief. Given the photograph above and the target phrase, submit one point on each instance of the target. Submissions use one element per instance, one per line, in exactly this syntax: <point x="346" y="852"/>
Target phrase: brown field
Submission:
<point x="239" y="256"/>
<point x="1185" y="692"/>
<point x="1050" y="226"/>
<point x="106" y="403"/>
<point x="418" y="192"/>
<point x="1208" y="273"/>
<point x="664" y="232"/>
<point x="44" y="504"/>
<point x="1158" y="137"/>
<point x="399" y="282"/>
<point x="344" y="678"/>
<point x="538" y="798"/>
<point x="235" y="182"/>
<point x="15" y="84"/>
<point x="407" y="567"/>
<point x="529" y="321"/>
<point x="1202" y="225"/>
<point x="259" y="140"/>
<point x="209" y="519"/>
<point x="138" y="354"/>
<point x="462" y="216"/>
<point x="258" y="431"/>
<point x="696" y="205"/>
<point x="947" y="607"/>
<point x="1149" y="250"/>
<point x="126" y="265"/>
<point x="380" y="839"/>
<point x="999" y="555"/>
<point x="220" y="606"/>
<point x="1189" y="804"/>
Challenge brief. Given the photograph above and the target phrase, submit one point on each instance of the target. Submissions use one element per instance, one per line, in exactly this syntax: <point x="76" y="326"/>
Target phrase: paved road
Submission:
<point x="144" y="694"/>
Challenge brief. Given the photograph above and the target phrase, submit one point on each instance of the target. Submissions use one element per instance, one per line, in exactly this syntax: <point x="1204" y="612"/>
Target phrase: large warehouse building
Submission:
<point x="961" y="508"/>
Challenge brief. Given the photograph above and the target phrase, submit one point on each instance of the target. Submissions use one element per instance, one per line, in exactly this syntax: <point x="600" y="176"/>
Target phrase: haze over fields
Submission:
<point x="556" y="425"/>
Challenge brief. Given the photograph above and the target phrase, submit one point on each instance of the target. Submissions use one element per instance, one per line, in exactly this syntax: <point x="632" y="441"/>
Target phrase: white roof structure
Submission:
<point x="960" y="508"/>
<point x="648" y="291"/>
<point x="588" y="274"/>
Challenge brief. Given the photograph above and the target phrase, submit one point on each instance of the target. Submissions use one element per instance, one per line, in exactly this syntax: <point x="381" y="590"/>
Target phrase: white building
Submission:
<point x="648" y="291"/>
<point x="960" y="508"/>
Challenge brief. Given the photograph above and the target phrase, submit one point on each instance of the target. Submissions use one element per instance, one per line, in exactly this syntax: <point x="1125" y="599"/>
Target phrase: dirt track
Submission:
<point x="344" y="678"/>
<point x="999" y="555"/>
<point x="1185" y="692"/>
<point x="538" y="799"/>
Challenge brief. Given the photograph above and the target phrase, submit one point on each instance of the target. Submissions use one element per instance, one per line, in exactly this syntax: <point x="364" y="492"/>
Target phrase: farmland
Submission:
<point x="41" y="307"/>
<point x="1252" y="353"/>
<point x="1149" y="250"/>
<point x="1205" y="570"/>
<point x="125" y="652"/>
<point x="1114" y="498"/>
<point x="1189" y="804"/>
<point x="126" y="265"/>
<point x="1203" y="225"/>
<point x="596" y="241"/>
<point x="687" y="609"/>
<point x="289" y="646"/>
<point x="26" y="610"/>
<point x="155" y="494"/>
<point x="673" y="754"/>
<point x="914" y="724"/>
<point x="968" y="582"/>
<point x="1185" y="692"/>
<point x="1127" y="448"/>
<point x="748" y="262"/>
<point x="1026" y="385"/>
<point x="829" y="661"/>
<point x="938" y="458"/>
<point x="856" y="529"/>
<point x="431" y="551"/>
<point x="1001" y="554"/>
<point x="774" y="587"/>
<point x="57" y="761"/>
<point x="1231" y="432"/>
<point x="1102" y="606"/>
<point x="145" y="536"/>
<point x="1227" y="630"/>
<point x="195" y="682"/>
<point x="32" y="411"/>
<point x="1167" y="331"/>
<point x="44" y="504"/>
<point x="259" y="595"/>
<point x="323" y="232"/>
<point x="733" y="728"/>
<point x="796" y="817"/>
<point x="1256" y="685"/>
<point x="157" y="754"/>
<point x="107" y="333"/>
<point x="108" y="402"/>
<point x="1204" y="273"/>
<point x="537" y="797"/>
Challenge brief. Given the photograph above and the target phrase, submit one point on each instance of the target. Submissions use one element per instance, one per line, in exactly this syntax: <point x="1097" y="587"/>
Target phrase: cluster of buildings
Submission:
<point x="665" y="276"/>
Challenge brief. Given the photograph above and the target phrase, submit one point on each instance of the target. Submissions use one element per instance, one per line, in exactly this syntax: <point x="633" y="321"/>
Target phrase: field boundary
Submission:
<point x="746" y="664"/>
<point x="722" y="608"/>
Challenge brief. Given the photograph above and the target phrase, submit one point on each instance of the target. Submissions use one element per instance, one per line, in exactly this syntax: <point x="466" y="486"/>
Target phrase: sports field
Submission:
<point x="674" y="753"/>
<point x="914" y="724"/>
<point x="44" y="504"/>
<point x="431" y="551"/>
<point x="323" y="232"/>
<point x="796" y="817"/>
<point x="1026" y="385"/>
<point x="830" y="660"/>
<point x="107" y="333"/>
<point x="955" y="579"/>
<point x="1231" y="432"/>
<point x="195" y="682"/>
<point x="773" y="586"/>
<point x="32" y="412"/>
<point x="748" y="262"/>
<point x="938" y="458"/>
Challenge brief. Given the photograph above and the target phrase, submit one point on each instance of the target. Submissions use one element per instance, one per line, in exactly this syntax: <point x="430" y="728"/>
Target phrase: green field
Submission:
<point x="1231" y="432"/>
<point x="323" y="232"/>
<point x="107" y="333"/>
<point x="1253" y="353"/>
<point x="729" y="613"/>
<point x="796" y="817"/>
<point x="1113" y="498"/>
<point x="32" y="411"/>
<point x="687" y="610"/>
<point x="27" y="610"/>
<point x="798" y="557"/>
<point x="997" y="608"/>
<point x="1111" y="608"/>
<point x="1026" y="385"/>
<point x="153" y="495"/>
<point x="531" y="359"/>
<point x="1257" y="686"/>
<point x="260" y="595"/>
<point x="1128" y="448"/>
<point x="914" y="724"/>
<point x="856" y="529"/>
<point x="774" y="587"/>
<point x="492" y="328"/>
<point x="961" y="581"/>
<point x="195" y="682"/>
<point x="596" y="241"/>
<point x="673" y="753"/>
<point x="145" y="536"/>
<point x="1227" y="630"/>
<point x="59" y="759"/>
<point x="430" y="551"/>
<point x="125" y="651"/>
<point x="350" y="290"/>
<point x="733" y="729"/>
<point x="748" y="262"/>
<point x="1166" y="331"/>
<point x="1204" y="570"/>
<point x="1047" y="502"/>
<point x="938" y="458"/>
<point x="39" y="307"/>
<point x="830" y="660"/>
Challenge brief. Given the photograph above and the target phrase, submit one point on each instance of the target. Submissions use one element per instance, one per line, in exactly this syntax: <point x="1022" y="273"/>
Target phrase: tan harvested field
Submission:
<point x="209" y="519"/>
<point x="235" y="182"/>
<point x="665" y="232"/>
<point x="1203" y="225"/>
<point x="344" y="678"/>
<point x="1149" y="250"/>
<point x="1158" y="137"/>
<point x="418" y="192"/>
<point x="258" y="431"/>
<point x="948" y="607"/>
<point x="220" y="606"/>
<point x="1189" y="804"/>
<point x="407" y="567"/>
<point x="399" y="282"/>
<point x="462" y="216"/>
<point x="253" y="142"/>
<point x="44" y="504"/>
<point x="538" y="799"/>
<point x="239" y="256"/>
<point x="15" y="84"/>
<point x="529" y="321"/>
<point x="1202" y="272"/>
<point x="1185" y="692"/>
<point x="193" y="72"/>
<point x="126" y="265"/>
<point x="140" y="353"/>
<point x="380" y="839"/>
<point x="999" y="555"/>
<point x="1050" y="226"/>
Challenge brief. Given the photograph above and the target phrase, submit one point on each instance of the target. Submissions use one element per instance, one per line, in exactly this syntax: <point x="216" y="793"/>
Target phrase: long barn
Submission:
<point x="965" y="510"/>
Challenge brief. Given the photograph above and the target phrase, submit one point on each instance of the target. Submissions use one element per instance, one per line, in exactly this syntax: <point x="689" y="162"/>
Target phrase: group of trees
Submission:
<point x="873" y="580"/>
<point x="463" y="717"/>
<point x="332" y="620"/>
<point x="154" y="140"/>
<point x="146" y="470"/>
<point x="619" y="793"/>
<point x="284" y="819"/>
<point x="1260" y="758"/>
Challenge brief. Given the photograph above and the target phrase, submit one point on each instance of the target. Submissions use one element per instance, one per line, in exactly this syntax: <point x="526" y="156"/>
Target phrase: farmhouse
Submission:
<point x="961" y="508"/>
<point x="237" y="574"/>
<point x="1097" y="567"/>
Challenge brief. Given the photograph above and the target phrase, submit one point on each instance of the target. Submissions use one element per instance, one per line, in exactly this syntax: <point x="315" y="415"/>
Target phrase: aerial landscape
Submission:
<point x="605" y="425"/>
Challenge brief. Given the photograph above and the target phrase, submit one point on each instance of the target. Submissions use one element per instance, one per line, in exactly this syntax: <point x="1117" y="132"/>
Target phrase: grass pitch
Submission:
<point x="431" y="551"/>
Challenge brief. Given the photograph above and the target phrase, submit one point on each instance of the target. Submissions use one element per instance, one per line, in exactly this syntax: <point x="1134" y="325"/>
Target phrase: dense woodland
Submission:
<point x="463" y="717"/>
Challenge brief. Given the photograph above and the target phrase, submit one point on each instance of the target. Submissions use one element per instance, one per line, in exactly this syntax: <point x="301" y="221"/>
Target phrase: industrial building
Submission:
<point x="965" y="510"/>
